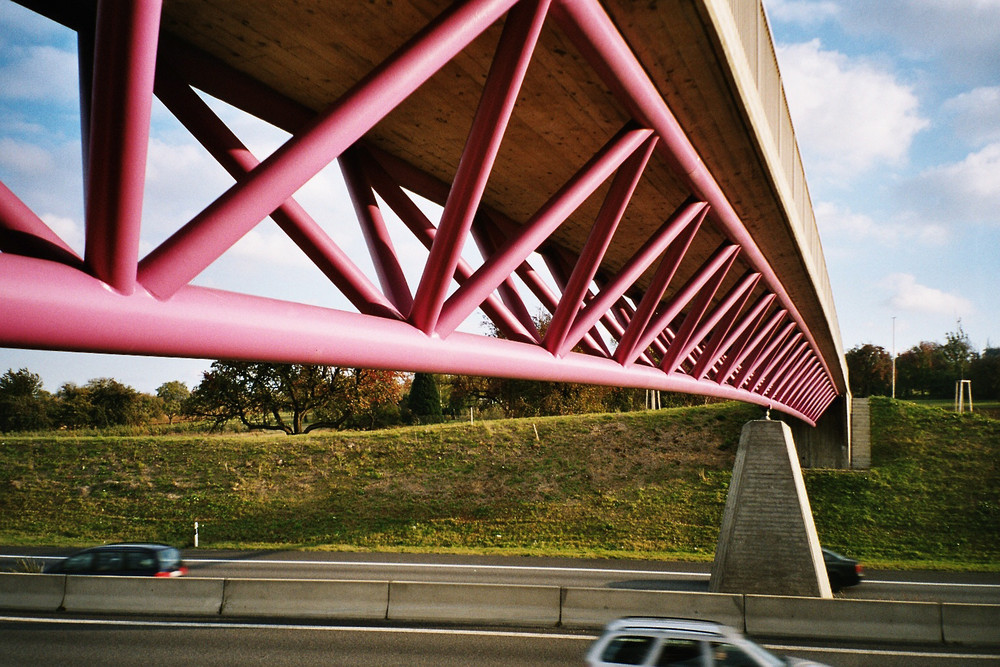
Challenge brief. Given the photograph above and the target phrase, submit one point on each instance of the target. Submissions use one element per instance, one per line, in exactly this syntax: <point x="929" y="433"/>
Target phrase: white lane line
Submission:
<point x="789" y="650"/>
<point x="201" y="625"/>
<point x="508" y="568"/>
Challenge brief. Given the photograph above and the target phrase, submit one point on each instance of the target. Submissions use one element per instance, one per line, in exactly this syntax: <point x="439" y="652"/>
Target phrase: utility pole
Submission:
<point x="894" y="356"/>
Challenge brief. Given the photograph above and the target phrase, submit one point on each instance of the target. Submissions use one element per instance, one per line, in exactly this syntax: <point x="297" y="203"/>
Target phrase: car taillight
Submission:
<point x="860" y="570"/>
<point x="179" y="572"/>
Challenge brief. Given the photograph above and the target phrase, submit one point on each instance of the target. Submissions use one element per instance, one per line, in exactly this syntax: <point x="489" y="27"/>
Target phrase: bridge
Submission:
<point x="631" y="168"/>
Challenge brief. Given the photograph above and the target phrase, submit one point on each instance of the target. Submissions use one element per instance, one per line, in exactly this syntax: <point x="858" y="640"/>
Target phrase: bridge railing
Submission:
<point x="744" y="23"/>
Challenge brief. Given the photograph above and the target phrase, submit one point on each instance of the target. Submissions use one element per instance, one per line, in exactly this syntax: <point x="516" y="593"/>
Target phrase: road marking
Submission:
<point x="790" y="649"/>
<point x="201" y="625"/>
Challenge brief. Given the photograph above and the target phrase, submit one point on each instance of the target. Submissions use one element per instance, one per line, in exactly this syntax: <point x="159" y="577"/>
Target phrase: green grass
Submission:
<point x="643" y="485"/>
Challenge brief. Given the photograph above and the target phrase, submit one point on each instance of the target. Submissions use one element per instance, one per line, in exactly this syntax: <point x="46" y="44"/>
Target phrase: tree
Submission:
<point x="24" y="405"/>
<point x="102" y="402"/>
<point x="283" y="396"/>
<point x="425" y="398"/>
<point x="870" y="370"/>
<point x="985" y="374"/>
<point x="173" y="394"/>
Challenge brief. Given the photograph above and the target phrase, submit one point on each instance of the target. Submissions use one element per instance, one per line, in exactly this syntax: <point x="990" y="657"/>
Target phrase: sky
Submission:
<point x="895" y="104"/>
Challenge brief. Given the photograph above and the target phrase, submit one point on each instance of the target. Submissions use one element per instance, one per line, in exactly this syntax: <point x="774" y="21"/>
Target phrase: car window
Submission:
<point x="140" y="560"/>
<point x="170" y="558"/>
<point x="627" y="650"/>
<point x="77" y="563"/>
<point x="731" y="656"/>
<point x="681" y="652"/>
<point x="108" y="561"/>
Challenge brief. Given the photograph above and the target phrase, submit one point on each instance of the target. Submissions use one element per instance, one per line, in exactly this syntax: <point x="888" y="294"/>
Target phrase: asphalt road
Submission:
<point x="967" y="587"/>
<point x="60" y="640"/>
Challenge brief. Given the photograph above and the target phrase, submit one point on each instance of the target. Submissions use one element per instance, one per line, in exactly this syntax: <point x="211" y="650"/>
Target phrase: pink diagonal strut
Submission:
<point x="629" y="347"/>
<point x="23" y="233"/>
<point x="552" y="214"/>
<point x="685" y="340"/>
<point x="520" y="33"/>
<point x="125" y="55"/>
<point x="380" y="246"/>
<point x="643" y="258"/>
<point x="213" y="231"/>
<point x="735" y="339"/>
<point x="622" y="188"/>
<point x="597" y="38"/>
<point x="235" y="158"/>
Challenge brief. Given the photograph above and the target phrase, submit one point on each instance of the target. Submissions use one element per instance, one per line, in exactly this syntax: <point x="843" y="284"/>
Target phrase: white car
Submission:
<point x="676" y="641"/>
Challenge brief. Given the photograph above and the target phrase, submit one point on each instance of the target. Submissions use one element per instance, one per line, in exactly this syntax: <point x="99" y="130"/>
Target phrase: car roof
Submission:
<point x="130" y="545"/>
<point x="694" y="626"/>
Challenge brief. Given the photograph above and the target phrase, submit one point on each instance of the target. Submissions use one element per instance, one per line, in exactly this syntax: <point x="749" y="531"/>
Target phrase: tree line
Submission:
<point x="927" y="370"/>
<point x="299" y="398"/>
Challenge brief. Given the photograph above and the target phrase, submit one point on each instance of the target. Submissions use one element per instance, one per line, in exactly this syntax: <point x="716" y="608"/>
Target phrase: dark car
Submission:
<point x="130" y="560"/>
<point x="841" y="570"/>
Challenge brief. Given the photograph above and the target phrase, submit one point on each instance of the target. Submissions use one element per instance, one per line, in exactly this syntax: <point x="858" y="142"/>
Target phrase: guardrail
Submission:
<point x="759" y="615"/>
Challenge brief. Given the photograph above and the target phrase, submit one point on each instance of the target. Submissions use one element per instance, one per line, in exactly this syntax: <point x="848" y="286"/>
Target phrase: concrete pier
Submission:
<point x="768" y="543"/>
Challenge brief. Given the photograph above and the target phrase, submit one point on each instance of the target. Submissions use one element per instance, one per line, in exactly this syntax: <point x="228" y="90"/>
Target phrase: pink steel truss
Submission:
<point x="603" y="328"/>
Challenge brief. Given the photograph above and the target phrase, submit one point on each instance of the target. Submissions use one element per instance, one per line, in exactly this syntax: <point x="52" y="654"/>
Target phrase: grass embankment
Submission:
<point x="650" y="484"/>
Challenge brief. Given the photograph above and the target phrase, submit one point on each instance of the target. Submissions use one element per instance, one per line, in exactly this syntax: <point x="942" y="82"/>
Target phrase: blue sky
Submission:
<point x="896" y="106"/>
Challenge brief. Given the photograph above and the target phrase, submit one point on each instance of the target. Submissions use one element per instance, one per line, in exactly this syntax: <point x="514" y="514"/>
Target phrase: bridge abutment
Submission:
<point x="768" y="543"/>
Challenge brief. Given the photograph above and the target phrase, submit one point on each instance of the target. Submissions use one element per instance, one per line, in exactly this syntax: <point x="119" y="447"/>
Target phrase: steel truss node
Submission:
<point x="631" y="327"/>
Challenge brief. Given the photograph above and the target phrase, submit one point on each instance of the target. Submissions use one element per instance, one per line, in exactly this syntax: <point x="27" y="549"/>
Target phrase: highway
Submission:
<point x="51" y="639"/>
<point x="965" y="587"/>
<point x="68" y="639"/>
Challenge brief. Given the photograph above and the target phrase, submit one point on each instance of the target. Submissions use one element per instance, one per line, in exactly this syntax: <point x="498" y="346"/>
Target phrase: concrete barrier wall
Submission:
<point x="146" y="595"/>
<point x="595" y="607"/>
<point x="296" y="598"/>
<point x="759" y="615"/>
<point x="31" y="592"/>
<point x="843" y="619"/>
<point x="971" y="623"/>
<point x="474" y="603"/>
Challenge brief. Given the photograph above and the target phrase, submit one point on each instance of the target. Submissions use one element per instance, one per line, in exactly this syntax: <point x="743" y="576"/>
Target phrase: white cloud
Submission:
<point x="960" y="37"/>
<point x="976" y="115"/>
<point x="25" y="158"/>
<point x="907" y="295"/>
<point x="802" y="12"/>
<point x="841" y="224"/>
<point x="42" y="73"/>
<point x="960" y="192"/>
<point x="849" y="114"/>
<point x="68" y="229"/>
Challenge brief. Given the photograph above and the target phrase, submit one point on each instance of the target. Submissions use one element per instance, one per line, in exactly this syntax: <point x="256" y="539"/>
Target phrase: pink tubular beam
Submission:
<point x="605" y="327"/>
<point x="184" y="255"/>
<point x="380" y="247"/>
<point x="56" y="307"/>
<point x="722" y="320"/>
<point x="594" y="34"/>
<point x="596" y="245"/>
<point x="521" y="30"/>
<point x="125" y="54"/>
<point x="643" y="258"/>
<point x="630" y="345"/>
<point x="235" y="158"/>
<point x="685" y="340"/>
<point x="665" y="316"/>
<point x="22" y="232"/>
<point x="496" y="268"/>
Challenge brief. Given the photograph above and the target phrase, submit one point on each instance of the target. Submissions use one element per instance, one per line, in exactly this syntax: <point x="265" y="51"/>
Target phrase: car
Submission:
<point x="130" y="560"/>
<point x="679" y="641"/>
<point x="841" y="570"/>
